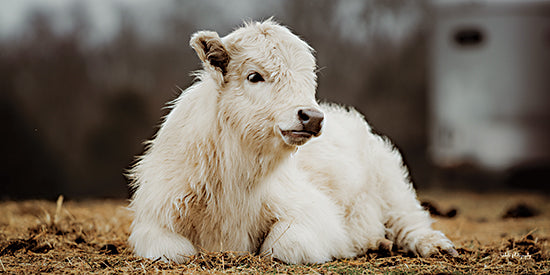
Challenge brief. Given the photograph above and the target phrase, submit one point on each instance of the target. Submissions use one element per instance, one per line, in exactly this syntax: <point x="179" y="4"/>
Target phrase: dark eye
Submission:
<point x="255" y="77"/>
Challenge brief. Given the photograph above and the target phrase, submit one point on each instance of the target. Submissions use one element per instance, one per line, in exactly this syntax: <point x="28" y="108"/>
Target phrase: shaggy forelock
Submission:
<point x="258" y="41"/>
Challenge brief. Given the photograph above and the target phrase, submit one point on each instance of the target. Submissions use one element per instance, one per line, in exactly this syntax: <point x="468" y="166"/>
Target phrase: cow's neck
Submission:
<point x="240" y="166"/>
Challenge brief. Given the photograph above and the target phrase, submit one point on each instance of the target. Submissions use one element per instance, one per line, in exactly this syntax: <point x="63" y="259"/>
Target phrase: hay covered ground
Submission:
<point x="90" y="237"/>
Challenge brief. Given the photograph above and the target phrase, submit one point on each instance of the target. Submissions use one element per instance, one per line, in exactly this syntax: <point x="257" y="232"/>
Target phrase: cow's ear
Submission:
<point x="211" y="51"/>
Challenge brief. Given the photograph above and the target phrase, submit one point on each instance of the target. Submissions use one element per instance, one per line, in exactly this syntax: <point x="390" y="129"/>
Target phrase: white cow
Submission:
<point x="247" y="160"/>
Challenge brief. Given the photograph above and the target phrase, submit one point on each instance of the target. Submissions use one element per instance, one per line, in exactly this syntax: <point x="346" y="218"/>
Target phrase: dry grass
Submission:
<point x="90" y="237"/>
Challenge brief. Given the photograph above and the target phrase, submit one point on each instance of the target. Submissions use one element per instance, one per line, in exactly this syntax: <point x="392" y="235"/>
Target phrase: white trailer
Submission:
<point x="490" y="84"/>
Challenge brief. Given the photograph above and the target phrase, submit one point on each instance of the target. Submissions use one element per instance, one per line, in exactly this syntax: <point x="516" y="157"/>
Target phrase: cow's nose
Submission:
<point x="312" y="120"/>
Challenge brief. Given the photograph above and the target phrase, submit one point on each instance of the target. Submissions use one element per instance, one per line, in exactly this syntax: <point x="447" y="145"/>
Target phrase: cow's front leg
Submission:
<point x="155" y="242"/>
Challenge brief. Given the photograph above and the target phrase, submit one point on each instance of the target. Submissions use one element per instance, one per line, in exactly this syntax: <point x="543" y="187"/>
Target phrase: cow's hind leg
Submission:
<point x="409" y="227"/>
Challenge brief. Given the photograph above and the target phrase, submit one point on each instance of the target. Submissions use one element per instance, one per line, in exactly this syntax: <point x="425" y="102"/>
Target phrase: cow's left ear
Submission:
<point x="211" y="51"/>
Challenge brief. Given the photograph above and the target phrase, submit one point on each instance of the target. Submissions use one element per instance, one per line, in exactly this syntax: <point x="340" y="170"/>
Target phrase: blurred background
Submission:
<point x="461" y="87"/>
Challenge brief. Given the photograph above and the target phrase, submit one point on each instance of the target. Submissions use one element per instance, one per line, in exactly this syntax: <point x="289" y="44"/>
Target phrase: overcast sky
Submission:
<point x="205" y="14"/>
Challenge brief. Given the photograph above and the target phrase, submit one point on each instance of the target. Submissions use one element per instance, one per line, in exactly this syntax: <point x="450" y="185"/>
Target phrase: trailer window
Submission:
<point x="468" y="37"/>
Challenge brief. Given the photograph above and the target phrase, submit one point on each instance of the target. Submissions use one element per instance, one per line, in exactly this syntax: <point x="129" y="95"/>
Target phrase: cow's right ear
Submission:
<point x="211" y="51"/>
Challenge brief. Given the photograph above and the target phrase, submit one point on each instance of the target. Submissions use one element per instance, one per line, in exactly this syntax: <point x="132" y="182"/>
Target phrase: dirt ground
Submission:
<point x="90" y="237"/>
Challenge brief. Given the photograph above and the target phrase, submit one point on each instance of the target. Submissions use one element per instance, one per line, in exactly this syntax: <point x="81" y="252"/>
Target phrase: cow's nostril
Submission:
<point x="312" y="120"/>
<point x="304" y="118"/>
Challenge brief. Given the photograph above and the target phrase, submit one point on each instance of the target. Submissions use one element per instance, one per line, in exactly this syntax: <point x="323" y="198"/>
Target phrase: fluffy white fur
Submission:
<point x="221" y="175"/>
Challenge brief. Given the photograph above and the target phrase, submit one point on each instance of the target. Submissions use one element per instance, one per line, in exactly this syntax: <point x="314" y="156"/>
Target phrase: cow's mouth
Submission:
<point x="297" y="134"/>
<point x="296" y="137"/>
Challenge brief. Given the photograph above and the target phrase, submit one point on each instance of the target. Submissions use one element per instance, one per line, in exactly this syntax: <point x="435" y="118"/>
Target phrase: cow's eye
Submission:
<point x="255" y="77"/>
